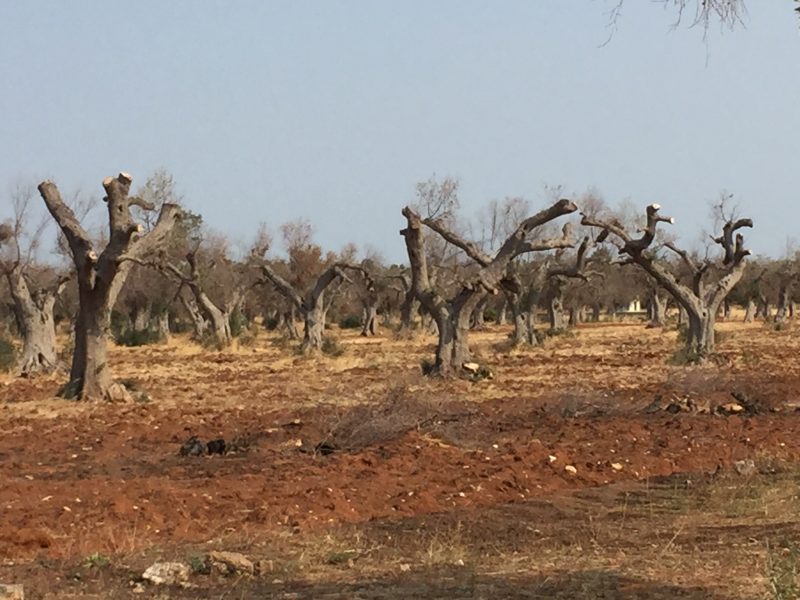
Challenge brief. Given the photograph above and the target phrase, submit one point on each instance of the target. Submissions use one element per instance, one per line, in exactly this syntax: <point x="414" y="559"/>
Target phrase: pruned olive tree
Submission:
<point x="711" y="280"/>
<point x="33" y="288"/>
<point x="559" y="275"/>
<point x="452" y="315"/>
<point x="100" y="277"/>
<point x="311" y="303"/>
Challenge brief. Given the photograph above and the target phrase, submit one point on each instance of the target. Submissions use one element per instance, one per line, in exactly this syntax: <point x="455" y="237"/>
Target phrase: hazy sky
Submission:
<point x="270" y="111"/>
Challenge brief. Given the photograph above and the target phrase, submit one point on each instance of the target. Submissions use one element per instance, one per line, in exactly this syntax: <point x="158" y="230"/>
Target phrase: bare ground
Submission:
<point x="355" y="477"/>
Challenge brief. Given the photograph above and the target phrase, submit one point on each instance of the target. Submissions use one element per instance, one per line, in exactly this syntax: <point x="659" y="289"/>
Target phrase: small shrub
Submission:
<point x="132" y="338"/>
<point x="783" y="572"/>
<point x="683" y="356"/>
<point x="271" y="323"/>
<point x="566" y="332"/>
<point x="248" y="338"/>
<point x="120" y="323"/>
<point x="210" y="342"/>
<point x="350" y="322"/>
<point x="237" y="322"/>
<point x="199" y="565"/>
<point x="490" y="314"/>
<point x="8" y="355"/>
<point x="332" y="347"/>
<point x="96" y="560"/>
<point x="428" y="366"/>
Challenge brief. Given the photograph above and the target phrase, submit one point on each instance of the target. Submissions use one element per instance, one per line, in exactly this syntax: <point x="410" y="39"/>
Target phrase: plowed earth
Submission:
<point x="363" y="438"/>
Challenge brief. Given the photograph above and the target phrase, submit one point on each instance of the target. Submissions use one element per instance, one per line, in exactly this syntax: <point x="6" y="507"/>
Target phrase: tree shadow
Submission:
<point x="461" y="583"/>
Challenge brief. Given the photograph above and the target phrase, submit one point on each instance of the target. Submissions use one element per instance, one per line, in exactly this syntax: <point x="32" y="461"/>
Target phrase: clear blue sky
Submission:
<point x="332" y="110"/>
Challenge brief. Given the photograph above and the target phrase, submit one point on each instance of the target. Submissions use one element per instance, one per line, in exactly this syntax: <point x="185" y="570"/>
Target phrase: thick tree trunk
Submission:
<point x="314" y="331"/>
<point x="34" y="315"/>
<point x="408" y="309"/>
<point x="555" y="312"/>
<point x="220" y="322"/>
<point x="90" y="376"/>
<point x="477" y="320"/>
<point x="453" y="326"/>
<point x="199" y="324"/>
<point x="658" y="310"/>
<point x="100" y="278"/>
<point x="523" y="315"/>
<point x="140" y="318"/>
<point x="782" y="312"/>
<point x="750" y="311"/>
<point x="290" y="323"/>
<point x="764" y="310"/>
<point x="502" y="314"/>
<point x="700" y="339"/>
<point x="370" y="321"/>
<point x="162" y="326"/>
<point x="596" y="308"/>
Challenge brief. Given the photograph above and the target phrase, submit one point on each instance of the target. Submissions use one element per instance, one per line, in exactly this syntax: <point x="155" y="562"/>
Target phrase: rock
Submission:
<point x="231" y="563"/>
<point x="745" y="467"/>
<point x="655" y="405"/>
<point x="192" y="447"/>
<point x="730" y="408"/>
<point x="471" y="367"/>
<point x="11" y="592"/>
<point x="571" y="470"/>
<point x="167" y="573"/>
<point x="701" y="406"/>
<point x="616" y="466"/>
<point x="216" y="446"/>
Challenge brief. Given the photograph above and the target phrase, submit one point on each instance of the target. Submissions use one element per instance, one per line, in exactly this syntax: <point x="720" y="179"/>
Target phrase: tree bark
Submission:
<point x="162" y="326"/>
<point x="784" y="295"/>
<point x="100" y="278"/>
<point x="198" y="321"/>
<point x="34" y="314"/>
<point x="477" y="321"/>
<point x="750" y="311"/>
<point x="370" y="320"/>
<point x="658" y="309"/>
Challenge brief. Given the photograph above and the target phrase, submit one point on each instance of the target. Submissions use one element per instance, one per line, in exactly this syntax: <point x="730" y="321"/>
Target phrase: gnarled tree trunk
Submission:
<point x="701" y="300"/>
<point x="34" y="314"/>
<point x="452" y="316"/>
<point x="369" y="319"/>
<point x="100" y="278"/>
<point x="658" y="309"/>
<point x="312" y="307"/>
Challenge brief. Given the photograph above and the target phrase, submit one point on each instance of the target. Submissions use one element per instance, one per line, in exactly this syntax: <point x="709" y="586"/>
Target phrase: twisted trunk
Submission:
<point x="658" y="309"/>
<point x="34" y="314"/>
<point x="100" y="279"/>
<point x="370" y="320"/>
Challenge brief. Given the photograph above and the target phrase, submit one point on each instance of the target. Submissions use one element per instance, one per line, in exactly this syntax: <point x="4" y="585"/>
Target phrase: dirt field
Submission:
<point x="355" y="477"/>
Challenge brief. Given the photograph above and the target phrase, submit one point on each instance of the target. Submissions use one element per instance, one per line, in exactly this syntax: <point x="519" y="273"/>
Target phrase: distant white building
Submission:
<point x="634" y="307"/>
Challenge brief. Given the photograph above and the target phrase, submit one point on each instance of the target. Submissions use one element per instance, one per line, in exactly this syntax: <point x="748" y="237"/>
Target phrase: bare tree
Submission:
<point x="33" y="289"/>
<point x="311" y="305"/>
<point x="558" y="277"/>
<point x="711" y="282"/>
<point x="452" y="316"/>
<point x="101" y="276"/>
